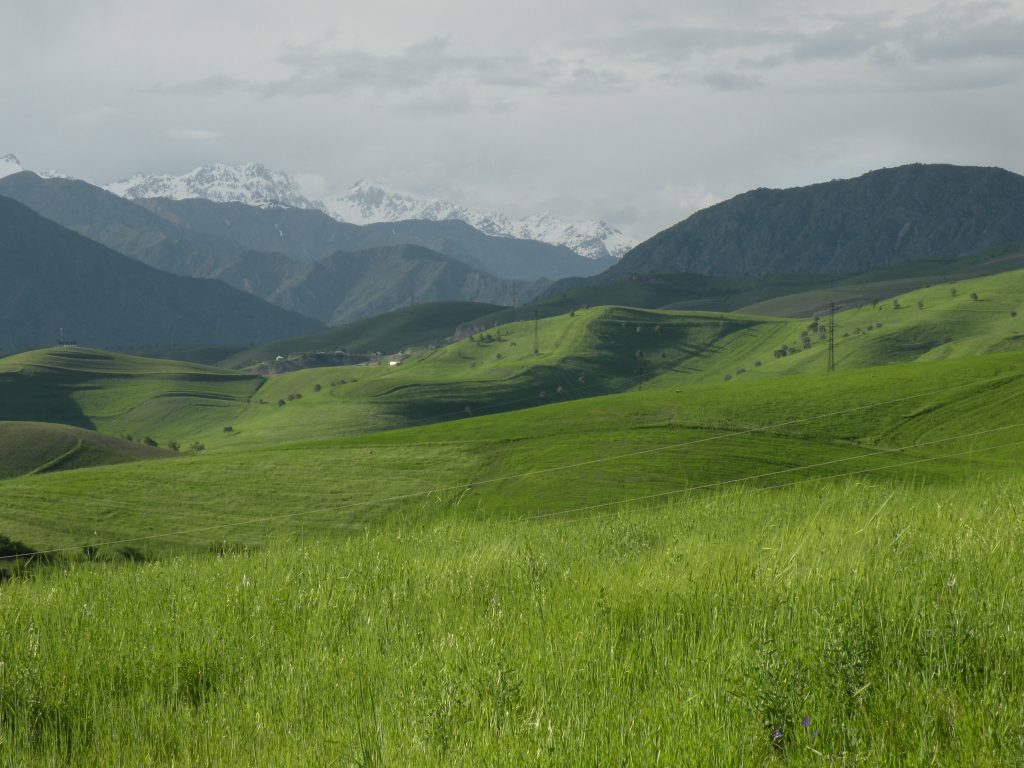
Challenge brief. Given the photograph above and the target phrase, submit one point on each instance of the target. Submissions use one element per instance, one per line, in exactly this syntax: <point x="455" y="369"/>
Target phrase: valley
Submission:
<point x="447" y="526"/>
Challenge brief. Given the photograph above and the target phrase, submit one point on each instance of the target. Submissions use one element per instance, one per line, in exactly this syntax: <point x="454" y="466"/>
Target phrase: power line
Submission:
<point x="720" y="483"/>
<point x="470" y="485"/>
<point x="672" y="446"/>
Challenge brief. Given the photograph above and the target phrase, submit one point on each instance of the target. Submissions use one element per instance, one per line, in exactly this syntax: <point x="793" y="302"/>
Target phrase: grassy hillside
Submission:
<point x="899" y="421"/>
<point x="28" y="447"/>
<point x="591" y="352"/>
<point x="118" y="394"/>
<point x="419" y="325"/>
<point x="863" y="622"/>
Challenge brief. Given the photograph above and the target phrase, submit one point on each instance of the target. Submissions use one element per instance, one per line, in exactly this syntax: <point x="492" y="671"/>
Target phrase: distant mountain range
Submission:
<point x="368" y="203"/>
<point x="53" y="278"/>
<point x="301" y="260"/>
<point x="9" y="165"/>
<point x="252" y="183"/>
<point x="883" y="218"/>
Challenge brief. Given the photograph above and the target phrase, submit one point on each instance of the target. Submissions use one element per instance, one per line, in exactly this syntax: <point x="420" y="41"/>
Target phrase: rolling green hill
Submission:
<point x="28" y="447"/>
<point x="897" y="421"/>
<point x="598" y="351"/>
<point x="419" y="325"/>
<point x="119" y="394"/>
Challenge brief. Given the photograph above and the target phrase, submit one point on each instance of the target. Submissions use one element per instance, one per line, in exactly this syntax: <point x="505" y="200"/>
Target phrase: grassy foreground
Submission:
<point x="858" y="623"/>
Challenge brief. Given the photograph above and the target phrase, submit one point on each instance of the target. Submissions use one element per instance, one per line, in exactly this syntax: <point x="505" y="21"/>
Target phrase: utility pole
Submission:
<point x="536" y="334"/>
<point x="831" y="336"/>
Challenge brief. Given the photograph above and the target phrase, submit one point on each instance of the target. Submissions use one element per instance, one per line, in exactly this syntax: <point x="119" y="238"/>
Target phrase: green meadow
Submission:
<point x="610" y="536"/>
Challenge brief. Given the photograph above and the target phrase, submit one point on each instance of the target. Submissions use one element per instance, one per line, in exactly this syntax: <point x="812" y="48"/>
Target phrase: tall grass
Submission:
<point x="857" y="623"/>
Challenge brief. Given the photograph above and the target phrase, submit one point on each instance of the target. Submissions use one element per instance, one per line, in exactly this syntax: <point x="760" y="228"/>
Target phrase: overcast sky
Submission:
<point x="638" y="113"/>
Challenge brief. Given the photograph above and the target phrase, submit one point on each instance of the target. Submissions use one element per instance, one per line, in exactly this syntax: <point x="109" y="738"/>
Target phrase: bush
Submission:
<point x="317" y="387"/>
<point x="147" y="440"/>
<point x="10" y="548"/>
<point x="974" y="297"/>
<point x="228" y="429"/>
<point x="174" y="445"/>
<point x="197" y="447"/>
<point x="280" y="402"/>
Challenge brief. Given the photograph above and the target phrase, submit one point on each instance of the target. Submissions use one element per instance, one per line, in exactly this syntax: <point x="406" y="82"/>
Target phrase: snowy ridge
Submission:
<point x="9" y="165"/>
<point x="251" y="183"/>
<point x="368" y="203"/>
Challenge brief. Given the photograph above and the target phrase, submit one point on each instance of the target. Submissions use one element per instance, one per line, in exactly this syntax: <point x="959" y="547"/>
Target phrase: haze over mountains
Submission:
<point x="370" y="203"/>
<point x="54" y="278"/>
<point x="275" y="252"/>
<point x="295" y="255"/>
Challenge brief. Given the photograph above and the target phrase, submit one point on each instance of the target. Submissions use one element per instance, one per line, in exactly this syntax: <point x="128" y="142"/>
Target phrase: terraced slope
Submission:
<point x="118" y="394"/>
<point x="28" y="447"/>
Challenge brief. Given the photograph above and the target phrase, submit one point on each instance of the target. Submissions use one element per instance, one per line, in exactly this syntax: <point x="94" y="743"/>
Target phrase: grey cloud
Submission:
<point x="424" y="65"/>
<point x="731" y="81"/>
<point x="943" y="34"/>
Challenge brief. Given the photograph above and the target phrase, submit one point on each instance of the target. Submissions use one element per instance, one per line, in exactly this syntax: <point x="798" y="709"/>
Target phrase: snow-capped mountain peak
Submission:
<point x="9" y="165"/>
<point x="250" y="183"/>
<point x="368" y="202"/>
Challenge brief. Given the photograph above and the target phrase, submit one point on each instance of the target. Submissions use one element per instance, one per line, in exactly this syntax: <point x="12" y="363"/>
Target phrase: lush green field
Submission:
<point x="584" y="353"/>
<point x="918" y="420"/>
<point x="857" y="623"/>
<point x="656" y="541"/>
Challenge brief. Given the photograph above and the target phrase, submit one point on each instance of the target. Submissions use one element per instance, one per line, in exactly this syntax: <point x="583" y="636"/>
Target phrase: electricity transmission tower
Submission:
<point x="831" y="336"/>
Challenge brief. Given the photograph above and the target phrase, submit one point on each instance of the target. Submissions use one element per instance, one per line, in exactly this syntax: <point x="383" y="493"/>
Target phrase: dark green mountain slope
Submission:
<point x="52" y="278"/>
<point x="130" y="229"/>
<point x="308" y="235"/>
<point x="886" y="217"/>
<point x="323" y="290"/>
<point x="349" y="286"/>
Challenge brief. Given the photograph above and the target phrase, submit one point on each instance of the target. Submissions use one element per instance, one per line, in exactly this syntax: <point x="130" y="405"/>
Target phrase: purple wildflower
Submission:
<point x="806" y="722"/>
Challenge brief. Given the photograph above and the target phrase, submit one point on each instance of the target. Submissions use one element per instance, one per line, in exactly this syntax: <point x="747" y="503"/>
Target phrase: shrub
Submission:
<point x="228" y="429"/>
<point x="10" y="548"/>
<point x="174" y="445"/>
<point x="147" y="440"/>
<point x="197" y="447"/>
<point x="280" y="402"/>
<point x="317" y="387"/>
<point x="974" y="297"/>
